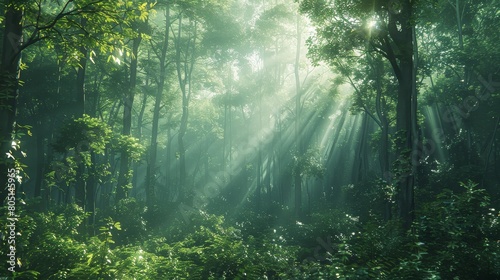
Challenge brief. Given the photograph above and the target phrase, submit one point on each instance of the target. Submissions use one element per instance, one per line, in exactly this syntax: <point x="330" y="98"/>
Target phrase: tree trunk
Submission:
<point x="40" y="157"/>
<point x="140" y="120"/>
<point x="80" y="83"/>
<point x="384" y="134"/>
<point x="299" y="149"/>
<point x="122" y="187"/>
<point x="359" y="173"/>
<point x="81" y="184"/>
<point x="9" y="79"/>
<point x="168" y="179"/>
<point x="404" y="144"/>
<point x="90" y="190"/>
<point x="258" y="176"/>
<point x="151" y="169"/>
<point x="184" y="69"/>
<point x="226" y="156"/>
<point x="401" y="32"/>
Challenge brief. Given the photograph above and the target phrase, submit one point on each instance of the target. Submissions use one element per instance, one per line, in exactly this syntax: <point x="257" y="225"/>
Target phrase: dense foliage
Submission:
<point x="456" y="237"/>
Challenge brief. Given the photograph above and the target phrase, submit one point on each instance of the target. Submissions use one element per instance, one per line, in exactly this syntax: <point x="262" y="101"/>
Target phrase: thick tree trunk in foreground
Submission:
<point x="405" y="173"/>
<point x="9" y="78"/>
<point x="401" y="32"/>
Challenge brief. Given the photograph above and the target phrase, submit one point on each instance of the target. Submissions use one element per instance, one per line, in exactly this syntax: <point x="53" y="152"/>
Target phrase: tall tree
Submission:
<point x="27" y="23"/>
<point x="9" y="75"/>
<point x="344" y="27"/>
<point x="151" y="171"/>
<point x="184" y="61"/>
<point x="138" y="26"/>
<point x="298" y="115"/>
<point x="124" y="177"/>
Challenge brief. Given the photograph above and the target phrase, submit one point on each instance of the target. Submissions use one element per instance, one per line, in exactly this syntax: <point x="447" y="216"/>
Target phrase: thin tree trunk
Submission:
<point x="168" y="179"/>
<point x="299" y="149"/>
<point x="488" y="154"/>
<point x="384" y="137"/>
<point x="80" y="82"/>
<point x="185" y="112"/>
<point x="140" y="120"/>
<point x="267" y="180"/>
<point x="226" y="156"/>
<point x="90" y="191"/>
<point x="359" y="173"/>
<point x="40" y="156"/>
<point x="184" y="71"/>
<point x="122" y="187"/>
<point x="81" y="183"/>
<point x="151" y="177"/>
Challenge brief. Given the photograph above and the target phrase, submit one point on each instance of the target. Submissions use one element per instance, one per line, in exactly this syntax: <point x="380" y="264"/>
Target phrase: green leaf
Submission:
<point x="89" y="258"/>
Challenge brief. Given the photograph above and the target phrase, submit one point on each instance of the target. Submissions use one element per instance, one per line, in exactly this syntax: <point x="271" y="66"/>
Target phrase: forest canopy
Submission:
<point x="245" y="139"/>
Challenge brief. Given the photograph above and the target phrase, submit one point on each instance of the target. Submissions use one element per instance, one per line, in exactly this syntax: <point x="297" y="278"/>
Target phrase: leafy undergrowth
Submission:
<point x="456" y="236"/>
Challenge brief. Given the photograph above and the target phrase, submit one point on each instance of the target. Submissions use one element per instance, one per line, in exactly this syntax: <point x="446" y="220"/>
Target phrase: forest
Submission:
<point x="250" y="139"/>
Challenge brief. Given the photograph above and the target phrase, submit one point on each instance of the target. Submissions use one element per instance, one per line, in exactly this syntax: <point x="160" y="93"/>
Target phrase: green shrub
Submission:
<point x="461" y="232"/>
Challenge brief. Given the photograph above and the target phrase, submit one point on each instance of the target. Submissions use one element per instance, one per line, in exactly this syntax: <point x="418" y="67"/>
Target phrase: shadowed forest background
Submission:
<point x="249" y="139"/>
